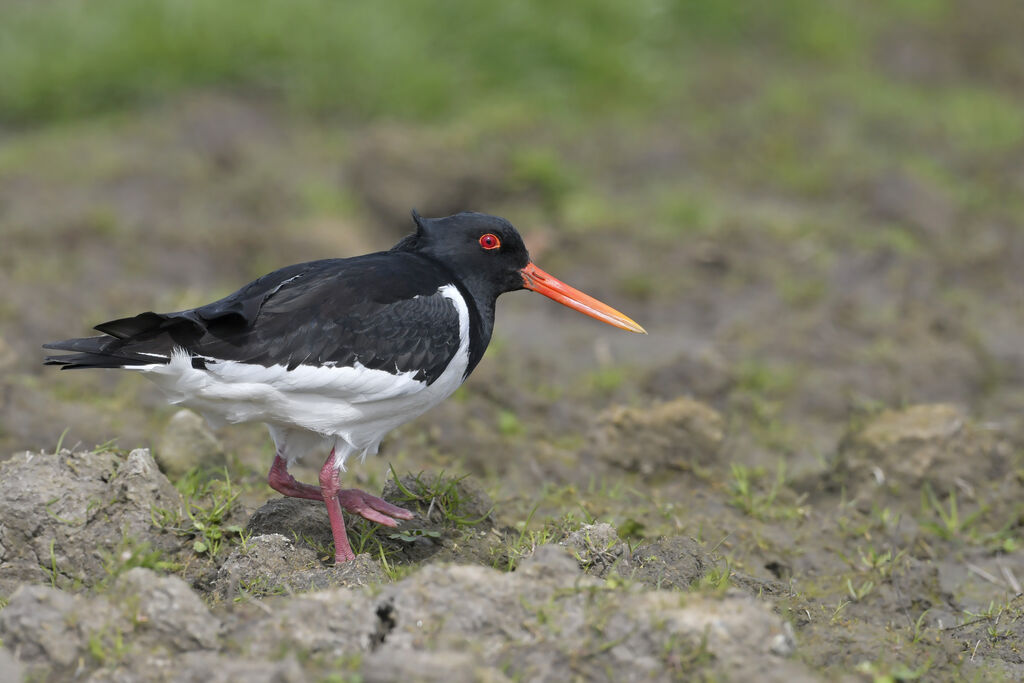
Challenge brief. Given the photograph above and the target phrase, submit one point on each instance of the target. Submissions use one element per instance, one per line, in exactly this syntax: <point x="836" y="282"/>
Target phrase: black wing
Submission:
<point x="381" y="310"/>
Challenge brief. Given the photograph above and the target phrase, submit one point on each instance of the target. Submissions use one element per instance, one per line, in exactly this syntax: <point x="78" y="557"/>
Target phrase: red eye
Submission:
<point x="490" y="241"/>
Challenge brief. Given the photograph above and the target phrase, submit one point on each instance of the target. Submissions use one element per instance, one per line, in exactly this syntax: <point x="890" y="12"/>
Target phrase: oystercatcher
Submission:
<point x="333" y="354"/>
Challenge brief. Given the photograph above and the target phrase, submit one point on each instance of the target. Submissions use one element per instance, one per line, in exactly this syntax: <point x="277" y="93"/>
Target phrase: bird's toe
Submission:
<point x="372" y="508"/>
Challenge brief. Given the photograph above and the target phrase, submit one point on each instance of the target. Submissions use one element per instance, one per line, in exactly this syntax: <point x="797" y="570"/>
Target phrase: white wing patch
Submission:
<point x="347" y="408"/>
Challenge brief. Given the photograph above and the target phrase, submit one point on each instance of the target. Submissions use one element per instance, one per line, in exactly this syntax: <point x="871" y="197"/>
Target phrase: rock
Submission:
<point x="539" y="624"/>
<point x="327" y="625"/>
<point x="187" y="442"/>
<point x="167" y="612"/>
<point x="147" y="615"/>
<point x="272" y="564"/>
<point x="65" y="514"/>
<point x="445" y="622"/>
<point x="201" y="667"/>
<point x="11" y="670"/>
<point x="673" y="435"/>
<point x="51" y="630"/>
<point x="443" y="667"/>
<point x="35" y="624"/>
<point x="935" y="444"/>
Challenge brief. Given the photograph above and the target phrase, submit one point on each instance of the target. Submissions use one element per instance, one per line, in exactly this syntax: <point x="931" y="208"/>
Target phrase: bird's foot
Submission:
<point x="371" y="507"/>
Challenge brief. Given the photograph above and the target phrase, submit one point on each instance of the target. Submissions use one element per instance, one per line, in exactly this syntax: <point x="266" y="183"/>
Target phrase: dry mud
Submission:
<point x="811" y="469"/>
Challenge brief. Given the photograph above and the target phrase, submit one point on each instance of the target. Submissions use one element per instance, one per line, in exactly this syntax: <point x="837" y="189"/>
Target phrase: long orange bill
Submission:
<point x="537" y="280"/>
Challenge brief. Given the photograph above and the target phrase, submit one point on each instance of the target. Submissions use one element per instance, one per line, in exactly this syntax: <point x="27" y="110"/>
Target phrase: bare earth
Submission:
<point x="811" y="468"/>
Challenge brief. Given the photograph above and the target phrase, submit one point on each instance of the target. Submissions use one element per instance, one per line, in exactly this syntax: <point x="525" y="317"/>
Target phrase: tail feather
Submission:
<point x="98" y="352"/>
<point x="136" y="326"/>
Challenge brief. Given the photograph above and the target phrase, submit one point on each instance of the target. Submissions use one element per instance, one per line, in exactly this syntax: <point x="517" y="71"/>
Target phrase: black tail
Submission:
<point x="143" y="339"/>
<point x="98" y="352"/>
<point x="151" y="337"/>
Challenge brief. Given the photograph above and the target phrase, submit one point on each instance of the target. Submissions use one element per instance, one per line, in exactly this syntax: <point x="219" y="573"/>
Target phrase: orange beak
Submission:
<point x="537" y="280"/>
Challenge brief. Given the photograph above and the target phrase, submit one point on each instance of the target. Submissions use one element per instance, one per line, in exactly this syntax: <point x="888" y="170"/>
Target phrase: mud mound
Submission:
<point x="663" y="437"/>
<point x="933" y="445"/>
<point x="664" y="563"/>
<point x="544" y="621"/>
<point x="274" y="565"/>
<point x="303" y="521"/>
<point x="64" y="515"/>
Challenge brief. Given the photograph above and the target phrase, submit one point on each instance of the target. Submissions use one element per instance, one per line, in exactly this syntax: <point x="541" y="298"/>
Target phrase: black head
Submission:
<point x="485" y="252"/>
<point x="488" y="256"/>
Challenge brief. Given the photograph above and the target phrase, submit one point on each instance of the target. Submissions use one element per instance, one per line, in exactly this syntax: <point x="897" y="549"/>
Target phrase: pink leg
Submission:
<point x="355" y="501"/>
<point x="330" y="486"/>
<point x="283" y="482"/>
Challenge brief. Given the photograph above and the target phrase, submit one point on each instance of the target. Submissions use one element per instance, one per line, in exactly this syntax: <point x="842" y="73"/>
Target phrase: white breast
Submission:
<point x="311" y="407"/>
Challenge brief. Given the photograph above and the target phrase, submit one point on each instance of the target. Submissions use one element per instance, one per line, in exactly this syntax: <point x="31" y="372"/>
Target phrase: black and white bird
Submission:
<point x="331" y="355"/>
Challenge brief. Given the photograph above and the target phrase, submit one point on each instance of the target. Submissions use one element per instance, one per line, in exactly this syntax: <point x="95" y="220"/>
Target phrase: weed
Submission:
<point x="529" y="539"/>
<point x="393" y="571"/>
<point x="947" y="522"/>
<point x="597" y="554"/>
<point x="259" y="587"/>
<point x="763" y="505"/>
<point x="717" y="579"/>
<point x="442" y="494"/>
<point x="132" y="553"/>
<point x="882" y="563"/>
<point x="362" y="535"/>
<point x="110" y="447"/>
<point x="840" y="606"/>
<point x="860" y="592"/>
<point x="208" y="503"/>
<point x="106" y="648"/>
<point x="411" y="535"/>
<point x="60" y="441"/>
<point x="919" y="627"/>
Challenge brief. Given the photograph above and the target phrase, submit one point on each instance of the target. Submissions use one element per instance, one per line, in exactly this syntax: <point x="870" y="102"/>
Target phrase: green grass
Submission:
<point x="439" y="494"/>
<point x="750" y="494"/>
<point x="70" y="57"/>
<point x="209" y="502"/>
<point x="133" y="553"/>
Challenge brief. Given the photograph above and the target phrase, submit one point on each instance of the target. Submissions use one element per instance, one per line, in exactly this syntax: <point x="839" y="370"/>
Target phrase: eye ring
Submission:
<point x="490" y="241"/>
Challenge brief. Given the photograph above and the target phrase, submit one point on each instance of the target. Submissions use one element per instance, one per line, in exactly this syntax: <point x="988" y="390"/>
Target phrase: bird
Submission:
<point x="333" y="354"/>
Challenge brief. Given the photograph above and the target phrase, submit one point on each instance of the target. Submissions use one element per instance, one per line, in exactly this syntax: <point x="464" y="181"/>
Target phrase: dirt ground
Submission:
<point x="811" y="468"/>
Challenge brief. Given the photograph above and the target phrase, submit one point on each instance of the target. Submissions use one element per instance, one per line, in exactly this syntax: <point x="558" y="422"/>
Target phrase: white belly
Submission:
<point x="308" y="408"/>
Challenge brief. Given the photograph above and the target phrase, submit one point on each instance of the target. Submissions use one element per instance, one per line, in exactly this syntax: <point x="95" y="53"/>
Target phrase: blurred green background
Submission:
<point x="817" y="205"/>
